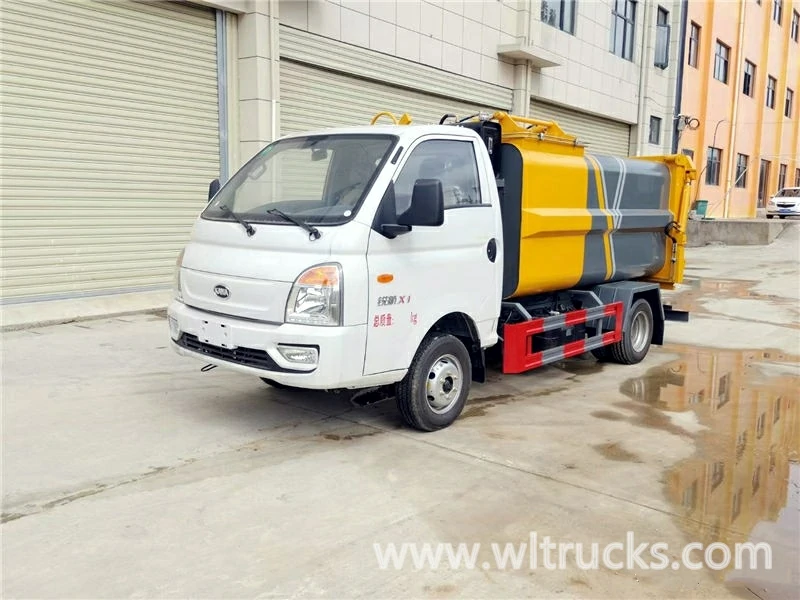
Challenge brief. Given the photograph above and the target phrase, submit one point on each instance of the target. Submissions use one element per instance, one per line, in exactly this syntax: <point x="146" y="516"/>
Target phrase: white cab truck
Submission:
<point x="393" y="256"/>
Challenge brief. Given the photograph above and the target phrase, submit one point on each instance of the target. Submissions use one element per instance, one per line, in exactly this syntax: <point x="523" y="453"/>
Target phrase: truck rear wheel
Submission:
<point x="635" y="342"/>
<point x="435" y="389"/>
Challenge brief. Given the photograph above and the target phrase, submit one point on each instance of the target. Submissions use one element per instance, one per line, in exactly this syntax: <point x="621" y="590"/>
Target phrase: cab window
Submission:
<point x="450" y="161"/>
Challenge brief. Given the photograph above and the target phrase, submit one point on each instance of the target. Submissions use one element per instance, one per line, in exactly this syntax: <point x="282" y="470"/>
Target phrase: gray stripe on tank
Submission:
<point x="608" y="202"/>
<point x="594" y="256"/>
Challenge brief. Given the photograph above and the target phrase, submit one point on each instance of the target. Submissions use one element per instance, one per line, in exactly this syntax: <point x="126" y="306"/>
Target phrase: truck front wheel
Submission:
<point x="635" y="342"/>
<point x="435" y="389"/>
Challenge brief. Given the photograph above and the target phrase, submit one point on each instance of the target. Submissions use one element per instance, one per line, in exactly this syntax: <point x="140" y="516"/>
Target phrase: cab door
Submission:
<point x="420" y="276"/>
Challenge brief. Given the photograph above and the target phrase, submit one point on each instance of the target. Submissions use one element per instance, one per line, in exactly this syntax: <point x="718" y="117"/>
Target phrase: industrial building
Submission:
<point x="740" y="85"/>
<point x="117" y="113"/>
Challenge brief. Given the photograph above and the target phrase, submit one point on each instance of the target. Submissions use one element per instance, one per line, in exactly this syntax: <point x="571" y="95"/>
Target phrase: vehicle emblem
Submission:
<point x="222" y="291"/>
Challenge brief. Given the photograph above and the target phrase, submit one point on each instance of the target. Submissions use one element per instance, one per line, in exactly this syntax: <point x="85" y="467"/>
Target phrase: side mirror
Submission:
<point x="427" y="205"/>
<point x="213" y="188"/>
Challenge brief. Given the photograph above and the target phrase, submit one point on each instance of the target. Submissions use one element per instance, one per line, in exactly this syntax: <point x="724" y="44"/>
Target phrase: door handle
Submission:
<point x="491" y="250"/>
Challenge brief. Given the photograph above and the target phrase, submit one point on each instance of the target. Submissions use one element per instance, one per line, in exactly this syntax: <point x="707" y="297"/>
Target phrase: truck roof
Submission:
<point x="398" y="130"/>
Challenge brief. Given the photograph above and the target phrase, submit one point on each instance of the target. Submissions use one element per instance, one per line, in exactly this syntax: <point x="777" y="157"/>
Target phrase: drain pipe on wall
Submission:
<point x="735" y="111"/>
<point x="676" y="129"/>
<point x="274" y="68"/>
<point x="222" y="93"/>
<point x="644" y="77"/>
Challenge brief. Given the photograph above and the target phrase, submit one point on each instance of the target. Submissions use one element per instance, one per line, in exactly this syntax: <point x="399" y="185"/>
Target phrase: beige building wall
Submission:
<point x="590" y="77"/>
<point x="459" y="37"/>
<point x="501" y="43"/>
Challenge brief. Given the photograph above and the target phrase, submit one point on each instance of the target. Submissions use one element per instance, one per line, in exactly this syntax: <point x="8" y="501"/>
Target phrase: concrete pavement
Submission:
<point x="129" y="473"/>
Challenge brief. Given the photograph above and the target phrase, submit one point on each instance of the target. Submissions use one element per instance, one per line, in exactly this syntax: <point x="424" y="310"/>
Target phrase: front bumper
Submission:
<point x="777" y="210"/>
<point x="252" y="347"/>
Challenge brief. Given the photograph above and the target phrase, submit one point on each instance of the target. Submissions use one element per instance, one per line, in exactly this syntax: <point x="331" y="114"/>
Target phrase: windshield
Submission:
<point x="315" y="179"/>
<point x="788" y="193"/>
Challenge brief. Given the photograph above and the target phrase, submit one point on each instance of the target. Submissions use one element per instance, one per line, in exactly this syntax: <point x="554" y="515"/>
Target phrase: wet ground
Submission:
<point x="129" y="473"/>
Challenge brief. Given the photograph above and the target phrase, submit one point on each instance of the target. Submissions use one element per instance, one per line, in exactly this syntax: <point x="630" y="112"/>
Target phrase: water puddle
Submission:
<point x="698" y="295"/>
<point x="742" y="409"/>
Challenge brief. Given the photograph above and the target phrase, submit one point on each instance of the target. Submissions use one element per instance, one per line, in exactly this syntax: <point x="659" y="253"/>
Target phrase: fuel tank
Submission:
<point x="574" y="219"/>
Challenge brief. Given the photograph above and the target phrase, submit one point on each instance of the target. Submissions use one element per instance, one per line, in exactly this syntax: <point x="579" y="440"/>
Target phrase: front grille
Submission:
<point x="785" y="204"/>
<point x="249" y="357"/>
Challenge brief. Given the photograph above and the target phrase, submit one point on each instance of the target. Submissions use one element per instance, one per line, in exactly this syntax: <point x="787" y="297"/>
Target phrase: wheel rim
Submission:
<point x="444" y="383"/>
<point x="640" y="332"/>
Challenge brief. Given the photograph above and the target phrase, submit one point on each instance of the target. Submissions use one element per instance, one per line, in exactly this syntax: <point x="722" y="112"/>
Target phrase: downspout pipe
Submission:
<point x="222" y="93"/>
<point x="735" y="111"/>
<point x="676" y="133"/>
<point x="274" y="68"/>
<point x="644" y="70"/>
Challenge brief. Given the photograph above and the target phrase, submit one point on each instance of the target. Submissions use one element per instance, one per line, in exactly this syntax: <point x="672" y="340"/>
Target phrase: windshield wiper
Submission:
<point x="315" y="234"/>
<point x="247" y="227"/>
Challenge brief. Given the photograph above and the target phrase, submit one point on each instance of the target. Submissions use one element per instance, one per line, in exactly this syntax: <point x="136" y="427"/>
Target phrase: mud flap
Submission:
<point x="672" y="314"/>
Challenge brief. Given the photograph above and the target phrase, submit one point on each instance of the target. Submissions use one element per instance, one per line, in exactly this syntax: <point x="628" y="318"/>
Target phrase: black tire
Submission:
<point x="446" y="355"/>
<point x="770" y="216"/>
<point x="635" y="344"/>
<point x="781" y="216"/>
<point x="602" y="354"/>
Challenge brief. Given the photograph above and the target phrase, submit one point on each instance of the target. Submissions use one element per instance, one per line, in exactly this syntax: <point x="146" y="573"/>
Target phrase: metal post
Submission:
<point x="222" y="94"/>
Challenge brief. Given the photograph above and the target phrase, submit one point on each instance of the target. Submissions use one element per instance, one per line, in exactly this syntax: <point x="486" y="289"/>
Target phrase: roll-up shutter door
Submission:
<point x="602" y="136"/>
<point x="110" y="136"/>
<point x="312" y="97"/>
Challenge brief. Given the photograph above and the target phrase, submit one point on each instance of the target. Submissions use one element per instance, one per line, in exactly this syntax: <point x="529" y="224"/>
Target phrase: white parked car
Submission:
<point x="786" y="203"/>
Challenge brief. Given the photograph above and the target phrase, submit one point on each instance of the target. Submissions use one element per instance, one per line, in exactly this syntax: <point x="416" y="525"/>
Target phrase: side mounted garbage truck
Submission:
<point x="398" y="256"/>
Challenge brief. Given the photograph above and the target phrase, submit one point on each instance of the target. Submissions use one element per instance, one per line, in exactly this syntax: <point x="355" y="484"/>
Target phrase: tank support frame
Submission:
<point x="518" y="338"/>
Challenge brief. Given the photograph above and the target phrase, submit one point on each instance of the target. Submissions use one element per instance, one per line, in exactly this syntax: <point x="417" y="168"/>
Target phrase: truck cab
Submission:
<point x="325" y="261"/>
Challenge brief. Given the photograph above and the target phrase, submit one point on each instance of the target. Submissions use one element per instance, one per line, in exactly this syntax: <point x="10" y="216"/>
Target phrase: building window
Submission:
<point x="717" y="474"/>
<point x="655" y="130"/>
<point x="721" y="57"/>
<point x="559" y="14"/>
<point x="781" y="176"/>
<point x="741" y="170"/>
<point x="688" y="152"/>
<point x="787" y="105"/>
<point x="623" y="28"/>
<point x="761" y="423"/>
<point x="797" y="178"/>
<point x="724" y="383"/>
<point x="776" y="411"/>
<point x="795" y="28"/>
<point x="694" y="44"/>
<point x="763" y="182"/>
<point x="777" y="11"/>
<point x="749" y="81"/>
<point x="737" y="505"/>
<point x="689" y="499"/>
<point x="756" y="479"/>
<point x="772" y="83"/>
<point x="661" y="59"/>
<point x="712" y="170"/>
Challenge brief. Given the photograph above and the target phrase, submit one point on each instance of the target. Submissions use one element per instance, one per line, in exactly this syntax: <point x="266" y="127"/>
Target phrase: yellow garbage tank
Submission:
<point x="573" y="219"/>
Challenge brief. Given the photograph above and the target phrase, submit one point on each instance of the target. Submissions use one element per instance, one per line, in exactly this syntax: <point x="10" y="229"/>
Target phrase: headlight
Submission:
<point x="316" y="297"/>
<point x="177" y="292"/>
